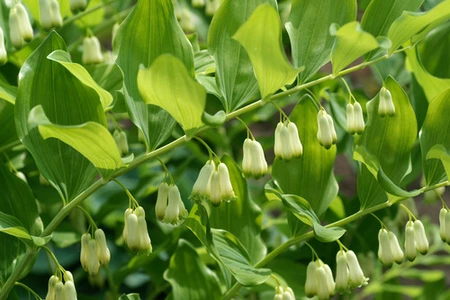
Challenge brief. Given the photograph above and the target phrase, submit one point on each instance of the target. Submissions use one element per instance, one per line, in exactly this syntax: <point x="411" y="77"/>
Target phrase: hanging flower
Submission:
<point x="19" y="25"/>
<point x="443" y="232"/>
<point x="135" y="231"/>
<point x="49" y="13"/>
<point x="51" y="287"/>
<point x="175" y="212"/>
<point x="355" y="118"/>
<point x="59" y="290"/>
<point x="287" y="141"/>
<point x="356" y="274"/>
<point x="92" y="53"/>
<point x="253" y="163"/>
<point x="342" y="276"/>
<point x="420" y="237"/>
<point x="326" y="133"/>
<point x="104" y="256"/>
<point x="226" y="189"/>
<point x="410" y="243"/>
<point x="202" y="186"/>
<point x="389" y="249"/>
<point x="386" y="105"/>
<point x="348" y="272"/>
<point x="161" y="201"/>
<point x="319" y="280"/>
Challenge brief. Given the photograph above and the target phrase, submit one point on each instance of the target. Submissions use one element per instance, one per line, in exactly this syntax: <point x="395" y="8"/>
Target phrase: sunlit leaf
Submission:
<point x="8" y="92"/>
<point x="412" y="26"/>
<point x="351" y="43"/>
<point x="308" y="30"/>
<point x="12" y="226"/>
<point x="168" y="84"/>
<point x="260" y="35"/>
<point x="91" y="139"/>
<point x="189" y="276"/>
<point x="93" y="18"/>
<point x="81" y="74"/>
<point x="439" y="152"/>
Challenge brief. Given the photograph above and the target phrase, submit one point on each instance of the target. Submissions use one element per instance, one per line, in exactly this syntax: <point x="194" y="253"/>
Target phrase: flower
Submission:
<point x="342" y="277"/>
<point x="135" y="231"/>
<point x="103" y="253"/>
<point x="355" y="118"/>
<point x="319" y="280"/>
<point x="356" y="274"/>
<point x="420" y="237"/>
<point x="287" y="141"/>
<point x="175" y="210"/>
<point x="92" y="53"/>
<point x="442" y="224"/>
<point x="50" y="15"/>
<point x="253" y="163"/>
<point x="226" y="189"/>
<point x="59" y="290"/>
<point x="51" y="287"/>
<point x="326" y="134"/>
<point x="348" y="272"/>
<point x="3" y="53"/>
<point x="19" y="26"/>
<point x="389" y="249"/>
<point x="202" y="186"/>
<point x="161" y="201"/>
<point x="94" y="251"/>
<point x="386" y="105"/>
<point x="410" y="243"/>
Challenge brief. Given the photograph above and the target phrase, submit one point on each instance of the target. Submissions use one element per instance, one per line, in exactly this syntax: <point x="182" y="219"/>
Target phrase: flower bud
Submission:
<point x="133" y="235"/>
<point x="342" y="276"/>
<point x="257" y="165"/>
<point x="84" y="254"/>
<point x="333" y="130"/>
<point x="247" y="158"/>
<point x="286" y="151"/>
<point x="93" y="263"/>
<point x="422" y="244"/>
<point x="356" y="274"/>
<point x="350" y="118"/>
<point x="278" y="143"/>
<point x="294" y="139"/>
<point x="25" y="29"/>
<point x="324" y="133"/>
<point x="442" y="224"/>
<point x="215" y="189"/>
<point x="288" y="294"/>
<point x="161" y="201"/>
<point x="358" y="118"/>
<point x="3" y="53"/>
<point x="70" y="292"/>
<point x="59" y="291"/>
<point x="226" y="189"/>
<point x="45" y="14"/>
<point x="14" y="33"/>
<point x="202" y="186"/>
<point x="386" y="105"/>
<point x="384" y="248"/>
<point x="128" y="212"/>
<point x="397" y="252"/>
<point x="92" y="53"/>
<point x="330" y="281"/>
<point x="51" y="287"/>
<point x="410" y="243"/>
<point x="77" y="5"/>
<point x="311" y="284"/>
<point x="57" y="21"/>
<point x="145" y="243"/>
<point x="175" y="211"/>
<point x="104" y="255"/>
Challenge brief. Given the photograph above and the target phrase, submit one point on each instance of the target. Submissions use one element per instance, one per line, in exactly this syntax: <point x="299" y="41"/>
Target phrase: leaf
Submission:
<point x="390" y="141"/>
<point x="308" y="29"/>
<point x="7" y="126"/>
<point x="234" y="72"/>
<point x="189" y="277"/>
<point x="241" y="217"/>
<point x="260" y="35"/>
<point x="237" y="260"/>
<point x="91" y="139"/>
<point x="150" y="30"/>
<point x="432" y="86"/>
<point x="132" y="296"/>
<point x="433" y="133"/>
<point x="351" y="43"/>
<point x="412" y="26"/>
<point x="12" y="226"/>
<point x="380" y="14"/>
<point x="167" y="84"/>
<point x="8" y="92"/>
<point x="93" y="18"/>
<point x="310" y="176"/>
<point x="439" y="152"/>
<point x="304" y="212"/>
<point x="81" y="74"/>
<point x="66" y="101"/>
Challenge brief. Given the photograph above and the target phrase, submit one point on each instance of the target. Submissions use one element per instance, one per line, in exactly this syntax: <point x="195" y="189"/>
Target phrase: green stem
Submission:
<point x="86" y="12"/>
<point x="29" y="290"/>
<point x="9" y="146"/>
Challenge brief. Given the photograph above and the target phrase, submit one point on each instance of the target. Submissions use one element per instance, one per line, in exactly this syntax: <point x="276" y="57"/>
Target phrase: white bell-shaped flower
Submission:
<point x="325" y="132"/>
<point x="25" y="29"/>
<point x="93" y="263"/>
<point x="311" y="285"/>
<point x="397" y="252"/>
<point x="287" y="141"/>
<point x="57" y="21"/>
<point x="422" y="244"/>
<point x="161" y="201"/>
<point x="51" y="287"/>
<point x="386" y="104"/>
<point x="294" y="140"/>
<point x="226" y="189"/>
<point x="175" y="211"/>
<point x="288" y="294"/>
<point x="358" y="118"/>
<point x="278" y="293"/>
<point x="145" y="244"/>
<point x="247" y="158"/>
<point x="104" y="256"/>
<point x="70" y="292"/>
<point x="333" y="130"/>
<point x="254" y="163"/>
<point x="384" y="248"/>
<point x="410" y="242"/>
<point x="356" y="274"/>
<point x="59" y="291"/>
<point x="342" y="276"/>
<point x="278" y="143"/>
<point x="85" y="238"/>
<point x="442" y="228"/>
<point x="350" y="118"/>
<point x="50" y="15"/>
<point x="132" y="231"/>
<point x="202" y="186"/>
<point x="215" y="189"/>
<point x="92" y="53"/>
<point x="127" y="212"/>
<point x="14" y="32"/>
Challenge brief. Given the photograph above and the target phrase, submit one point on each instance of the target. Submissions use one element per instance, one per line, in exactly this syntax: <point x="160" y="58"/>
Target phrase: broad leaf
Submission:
<point x="7" y="127"/>
<point x="439" y="152"/>
<point x="234" y="73"/>
<point x="168" y="84"/>
<point x="351" y="43"/>
<point x="389" y="140"/>
<point x="260" y="35"/>
<point x="413" y="26"/>
<point x="308" y="30"/>
<point x="81" y="74"/>
<point x="431" y="85"/>
<point x="434" y="132"/>
<point x="66" y="101"/>
<point x="241" y="217"/>
<point x="12" y="226"/>
<point x="380" y="14"/>
<point x="150" y="30"/>
<point x="7" y="91"/>
<point x="93" y="18"/>
<point x="189" y="277"/>
<point x="91" y="139"/>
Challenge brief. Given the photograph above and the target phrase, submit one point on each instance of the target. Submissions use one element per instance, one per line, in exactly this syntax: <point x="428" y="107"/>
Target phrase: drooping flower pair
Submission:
<point x="287" y="141"/>
<point x="319" y="280"/>
<point x="135" y="231"/>
<point x="444" y="225"/>
<point x="19" y="25"/>
<point x="213" y="184"/>
<point x="94" y="251"/>
<point x="355" y="118"/>
<point x="386" y="104"/>
<point x="59" y="290"/>
<point x="348" y="272"/>
<point x="389" y="249"/>
<point x="326" y="133"/>
<point x="50" y="16"/>
<point x="169" y="206"/>
<point x="415" y="239"/>
<point x="284" y="293"/>
<point x="254" y="163"/>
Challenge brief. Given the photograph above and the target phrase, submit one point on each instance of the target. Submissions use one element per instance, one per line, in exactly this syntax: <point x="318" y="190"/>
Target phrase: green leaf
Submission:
<point x="7" y="126"/>
<point x="260" y="35"/>
<point x="413" y="26"/>
<point x="380" y="14"/>
<point x="237" y="260"/>
<point x="351" y="43"/>
<point x="304" y="212"/>
<point x="310" y="176"/>
<point x="12" y="226"/>
<point x="234" y="73"/>
<point x="132" y="296"/>
<point x="215" y="120"/>
<point x="91" y="139"/>
<point x="308" y="30"/>
<point x="66" y="101"/>
<point x="185" y="103"/>
<point x="7" y="91"/>
<point x="189" y="277"/>
<point x="81" y="74"/>
<point x="95" y="17"/>
<point x="439" y="152"/>
<point x="40" y="241"/>
<point x="389" y="140"/>
<point x="432" y="86"/>
<point x="434" y="132"/>
<point x="150" y="30"/>
<point x="241" y="217"/>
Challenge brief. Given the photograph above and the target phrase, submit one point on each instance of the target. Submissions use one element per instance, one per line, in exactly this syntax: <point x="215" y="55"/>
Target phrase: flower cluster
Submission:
<point x="326" y="133"/>
<point x="169" y="206"/>
<point x="19" y="26"/>
<point x="348" y="272"/>
<point x="389" y="249"/>
<point x="94" y="251"/>
<point x="135" y="231"/>
<point x="77" y="5"/>
<point x="284" y="293"/>
<point x="444" y="225"/>
<point x="287" y="142"/>
<point x="415" y="239"/>
<point x="254" y="163"/>
<point x="386" y="105"/>
<point x="355" y="118"/>
<point x="92" y="52"/>
<point x="59" y="290"/>
<point x="213" y="184"/>
<point x="319" y="280"/>
<point x="120" y="138"/>
<point x="49" y="14"/>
